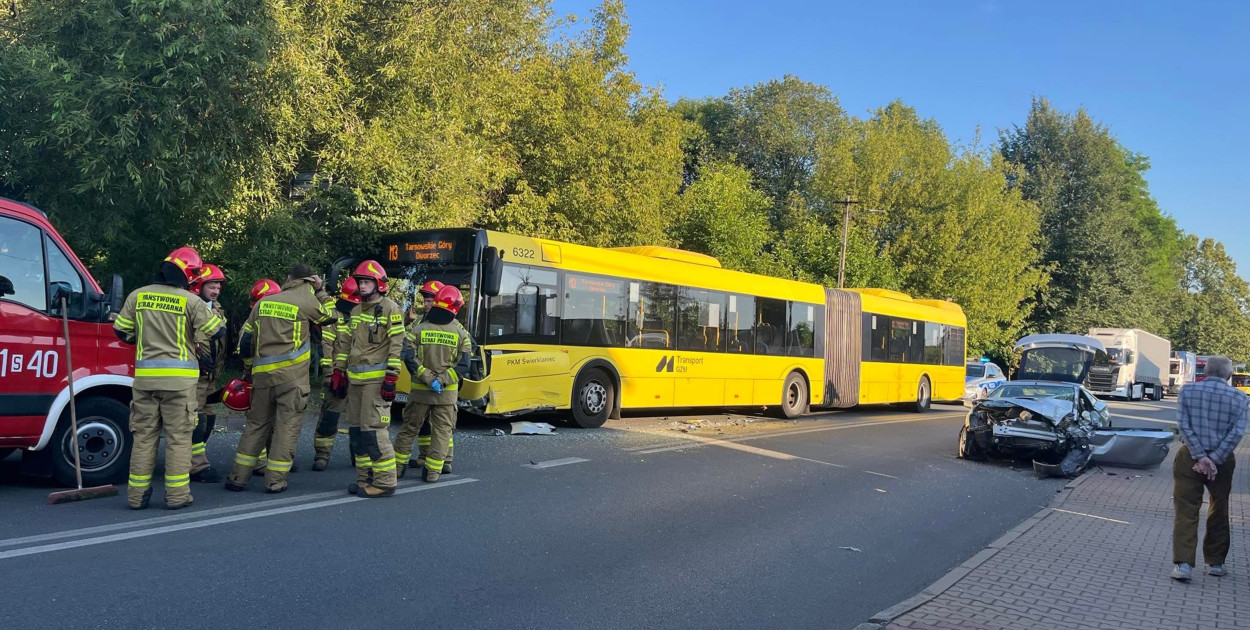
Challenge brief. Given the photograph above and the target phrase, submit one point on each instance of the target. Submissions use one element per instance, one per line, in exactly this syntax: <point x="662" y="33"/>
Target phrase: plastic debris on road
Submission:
<point x="855" y="549"/>
<point x="532" y="428"/>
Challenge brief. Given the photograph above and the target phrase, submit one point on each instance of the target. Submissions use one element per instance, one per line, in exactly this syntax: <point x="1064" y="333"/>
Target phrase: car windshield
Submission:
<point x="1112" y="356"/>
<point x="976" y="370"/>
<point x="1034" y="390"/>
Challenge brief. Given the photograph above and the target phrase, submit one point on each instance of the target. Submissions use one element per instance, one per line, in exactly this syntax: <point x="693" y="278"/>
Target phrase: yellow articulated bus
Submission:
<point x="595" y="331"/>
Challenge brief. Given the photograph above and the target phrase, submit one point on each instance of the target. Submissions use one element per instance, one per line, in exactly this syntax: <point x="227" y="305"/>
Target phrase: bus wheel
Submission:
<point x="103" y="443"/>
<point x="594" y="396"/>
<point x="924" y="396"/>
<point x="794" y="397"/>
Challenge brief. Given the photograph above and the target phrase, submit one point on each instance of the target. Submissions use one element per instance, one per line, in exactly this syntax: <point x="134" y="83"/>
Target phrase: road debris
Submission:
<point x="855" y="549"/>
<point x="532" y="428"/>
<point x="496" y="432"/>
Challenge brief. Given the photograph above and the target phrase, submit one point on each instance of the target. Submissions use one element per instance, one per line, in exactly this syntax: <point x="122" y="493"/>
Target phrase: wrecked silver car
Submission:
<point x="1043" y="414"/>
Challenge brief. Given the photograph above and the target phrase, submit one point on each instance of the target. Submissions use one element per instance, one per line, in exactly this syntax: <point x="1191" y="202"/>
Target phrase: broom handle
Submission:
<point x="73" y="409"/>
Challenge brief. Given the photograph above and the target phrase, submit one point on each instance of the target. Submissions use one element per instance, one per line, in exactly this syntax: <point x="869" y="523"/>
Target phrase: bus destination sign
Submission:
<point x="429" y="248"/>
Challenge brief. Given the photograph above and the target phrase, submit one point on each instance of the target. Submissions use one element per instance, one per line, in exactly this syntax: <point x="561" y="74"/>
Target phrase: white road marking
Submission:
<point x="1101" y="518"/>
<point x="1146" y="405"/>
<point x="153" y="531"/>
<point x="554" y="462"/>
<point x="1143" y="418"/>
<point x="880" y="474"/>
<point x="173" y="518"/>
<point x="695" y="441"/>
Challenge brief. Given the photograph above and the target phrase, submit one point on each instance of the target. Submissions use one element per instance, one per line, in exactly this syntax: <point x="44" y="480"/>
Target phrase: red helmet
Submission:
<point x="208" y="273"/>
<point x="237" y="395"/>
<point x="449" y="299"/>
<point x="188" y="260"/>
<point x="348" y="292"/>
<point x="373" y="270"/>
<point x="264" y="287"/>
<point x="430" y="288"/>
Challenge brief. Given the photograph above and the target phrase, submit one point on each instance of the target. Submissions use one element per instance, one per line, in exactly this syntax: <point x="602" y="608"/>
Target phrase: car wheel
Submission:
<point x="594" y="398"/>
<point x="968" y="448"/>
<point x="103" y="442"/>
<point x="924" y="396"/>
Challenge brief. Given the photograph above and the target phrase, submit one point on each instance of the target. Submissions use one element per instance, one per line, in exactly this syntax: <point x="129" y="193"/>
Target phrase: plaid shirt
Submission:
<point x="1212" y="419"/>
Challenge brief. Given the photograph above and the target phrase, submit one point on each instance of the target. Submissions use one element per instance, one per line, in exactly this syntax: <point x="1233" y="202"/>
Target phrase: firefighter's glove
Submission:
<point x="338" y="383"/>
<point x="388" y="387"/>
<point x="206" y="362"/>
<point x="436" y="386"/>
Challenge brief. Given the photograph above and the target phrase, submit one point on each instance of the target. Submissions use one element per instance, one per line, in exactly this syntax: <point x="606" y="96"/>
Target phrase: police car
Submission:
<point x="981" y="379"/>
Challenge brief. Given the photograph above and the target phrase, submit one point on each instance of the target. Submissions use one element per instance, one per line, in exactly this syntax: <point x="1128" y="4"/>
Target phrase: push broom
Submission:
<point x="80" y="493"/>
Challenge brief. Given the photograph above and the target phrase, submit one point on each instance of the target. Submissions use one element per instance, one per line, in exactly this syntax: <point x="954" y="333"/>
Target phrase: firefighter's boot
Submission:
<point x="323" y="439"/>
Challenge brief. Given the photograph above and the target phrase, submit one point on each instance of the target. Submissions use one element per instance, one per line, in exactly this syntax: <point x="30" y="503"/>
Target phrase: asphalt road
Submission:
<point x="737" y="522"/>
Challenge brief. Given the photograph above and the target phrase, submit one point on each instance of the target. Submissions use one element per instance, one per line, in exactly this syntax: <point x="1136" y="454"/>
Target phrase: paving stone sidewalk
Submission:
<point x="1098" y="558"/>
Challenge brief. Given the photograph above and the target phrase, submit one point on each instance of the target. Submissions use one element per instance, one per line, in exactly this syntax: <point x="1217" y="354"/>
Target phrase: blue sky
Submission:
<point x="1171" y="79"/>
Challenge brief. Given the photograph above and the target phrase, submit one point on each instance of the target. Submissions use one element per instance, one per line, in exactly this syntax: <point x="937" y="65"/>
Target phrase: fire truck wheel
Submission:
<point x="103" y="443"/>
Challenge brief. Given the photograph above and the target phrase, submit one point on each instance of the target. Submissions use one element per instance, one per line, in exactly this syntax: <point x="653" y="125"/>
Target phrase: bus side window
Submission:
<point x="699" y="320"/>
<point x="594" y="311"/>
<point x="933" y="336"/>
<point x="771" y="327"/>
<point x="527" y="306"/>
<point x="801" y="339"/>
<point x="739" y="318"/>
<point x="876" y="337"/>
<point x="652" y="309"/>
<point x="954" y="346"/>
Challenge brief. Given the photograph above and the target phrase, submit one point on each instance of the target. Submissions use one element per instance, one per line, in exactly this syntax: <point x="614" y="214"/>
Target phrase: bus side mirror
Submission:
<point x="115" y="295"/>
<point x="492" y="272"/>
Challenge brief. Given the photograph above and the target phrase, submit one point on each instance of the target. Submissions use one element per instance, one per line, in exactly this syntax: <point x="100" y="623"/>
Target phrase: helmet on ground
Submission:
<point x="264" y="287"/>
<point x="430" y="288"/>
<point x="237" y="395"/>
<point x="348" y="292"/>
<point x="208" y="273"/>
<point x="188" y="260"/>
<point x="449" y="299"/>
<point x="372" y="270"/>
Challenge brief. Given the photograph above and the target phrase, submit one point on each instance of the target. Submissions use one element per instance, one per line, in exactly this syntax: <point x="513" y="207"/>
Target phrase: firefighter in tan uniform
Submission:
<point x="212" y="355"/>
<point x="332" y="407"/>
<point x="276" y="348"/>
<point x="260" y="289"/>
<point x="161" y="320"/>
<point x="427" y="292"/>
<point x="366" y="369"/>
<point x="436" y="352"/>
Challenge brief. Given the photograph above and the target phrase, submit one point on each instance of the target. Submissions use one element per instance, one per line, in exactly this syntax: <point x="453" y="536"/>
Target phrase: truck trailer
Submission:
<point x="1134" y="366"/>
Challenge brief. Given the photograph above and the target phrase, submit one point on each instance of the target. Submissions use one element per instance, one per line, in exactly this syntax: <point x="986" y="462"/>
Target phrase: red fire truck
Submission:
<point x="36" y="267"/>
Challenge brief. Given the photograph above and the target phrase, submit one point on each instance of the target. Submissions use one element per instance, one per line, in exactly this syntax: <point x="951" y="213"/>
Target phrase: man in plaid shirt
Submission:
<point x="1212" y="422"/>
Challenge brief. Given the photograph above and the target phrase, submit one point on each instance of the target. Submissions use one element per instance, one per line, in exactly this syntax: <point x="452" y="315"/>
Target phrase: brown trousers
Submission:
<point x="276" y="417"/>
<point x="199" y="450"/>
<point x="371" y="417"/>
<point x="1187" y="496"/>
<point x="418" y="426"/>
<point x="153" y="413"/>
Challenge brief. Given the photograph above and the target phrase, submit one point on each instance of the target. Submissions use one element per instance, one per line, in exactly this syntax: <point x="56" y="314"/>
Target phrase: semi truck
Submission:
<point x="1134" y="365"/>
<point x="1182" y="370"/>
<point x="37" y="269"/>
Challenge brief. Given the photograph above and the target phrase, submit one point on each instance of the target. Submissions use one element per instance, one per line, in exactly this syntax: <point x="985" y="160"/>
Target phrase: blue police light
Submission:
<point x="985" y="359"/>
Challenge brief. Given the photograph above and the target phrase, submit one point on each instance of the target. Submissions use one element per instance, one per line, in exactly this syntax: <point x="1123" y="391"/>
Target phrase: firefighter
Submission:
<point x="366" y="370"/>
<point x="332" y="407"/>
<point x="276" y="348"/>
<point x="212" y="356"/>
<point x="427" y="292"/>
<point x="160" y="320"/>
<point x="436" y="352"/>
<point x="260" y="289"/>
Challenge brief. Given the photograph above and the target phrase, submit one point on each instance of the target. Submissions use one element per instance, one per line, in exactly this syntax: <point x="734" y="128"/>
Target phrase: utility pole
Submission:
<point x="846" y="229"/>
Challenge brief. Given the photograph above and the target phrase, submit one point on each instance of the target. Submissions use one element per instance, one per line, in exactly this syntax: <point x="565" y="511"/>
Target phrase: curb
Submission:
<point x="952" y="577"/>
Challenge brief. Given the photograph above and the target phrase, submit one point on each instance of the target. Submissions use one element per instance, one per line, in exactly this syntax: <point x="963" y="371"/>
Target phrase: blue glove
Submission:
<point x="436" y="387"/>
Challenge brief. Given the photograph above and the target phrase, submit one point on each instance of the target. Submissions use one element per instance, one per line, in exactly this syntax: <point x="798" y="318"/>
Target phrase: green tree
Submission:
<point x="1214" y="316"/>
<point x="1093" y="205"/>
<point x="722" y="215"/>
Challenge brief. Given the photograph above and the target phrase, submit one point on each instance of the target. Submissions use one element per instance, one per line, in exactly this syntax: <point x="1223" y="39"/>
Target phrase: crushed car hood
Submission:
<point x="1053" y="410"/>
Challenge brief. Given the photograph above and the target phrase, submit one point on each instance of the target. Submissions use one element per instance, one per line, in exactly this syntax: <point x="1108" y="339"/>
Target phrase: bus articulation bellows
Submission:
<point x="597" y="330"/>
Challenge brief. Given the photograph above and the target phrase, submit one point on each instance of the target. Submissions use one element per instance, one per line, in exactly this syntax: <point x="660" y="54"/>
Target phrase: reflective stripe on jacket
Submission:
<point x="431" y="352"/>
<point x="370" y="347"/>
<point x="275" y="338"/>
<point x="162" y="321"/>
